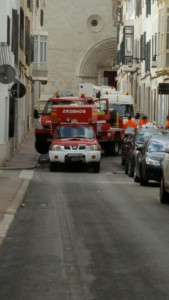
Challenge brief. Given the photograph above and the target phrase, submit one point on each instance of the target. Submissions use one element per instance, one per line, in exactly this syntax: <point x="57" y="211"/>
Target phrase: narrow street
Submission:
<point x="87" y="236"/>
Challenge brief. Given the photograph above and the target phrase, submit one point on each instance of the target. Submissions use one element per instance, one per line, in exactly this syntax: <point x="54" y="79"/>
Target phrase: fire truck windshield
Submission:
<point x="124" y="110"/>
<point x="74" y="132"/>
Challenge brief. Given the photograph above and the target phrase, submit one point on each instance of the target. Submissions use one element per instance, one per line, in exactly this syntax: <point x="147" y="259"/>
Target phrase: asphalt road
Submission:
<point x="86" y="236"/>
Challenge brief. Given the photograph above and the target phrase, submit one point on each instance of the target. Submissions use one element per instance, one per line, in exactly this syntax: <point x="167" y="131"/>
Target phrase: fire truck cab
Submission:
<point x="74" y="130"/>
<point x="43" y="126"/>
<point x="110" y="129"/>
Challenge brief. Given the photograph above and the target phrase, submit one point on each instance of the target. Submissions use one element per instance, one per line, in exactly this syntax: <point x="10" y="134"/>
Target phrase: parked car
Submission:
<point x="137" y="140"/>
<point x="149" y="158"/>
<point x="164" y="185"/>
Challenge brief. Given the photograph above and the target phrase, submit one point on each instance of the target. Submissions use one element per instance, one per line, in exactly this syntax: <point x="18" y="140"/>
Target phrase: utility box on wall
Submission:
<point x="163" y="88"/>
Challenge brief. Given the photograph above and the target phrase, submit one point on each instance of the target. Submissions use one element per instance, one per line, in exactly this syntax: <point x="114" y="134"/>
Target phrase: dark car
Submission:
<point x="149" y="158"/>
<point x="135" y="141"/>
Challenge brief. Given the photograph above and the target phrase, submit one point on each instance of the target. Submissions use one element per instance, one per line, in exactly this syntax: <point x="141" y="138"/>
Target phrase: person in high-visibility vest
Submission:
<point x="143" y="121"/>
<point x="130" y="123"/>
<point x="167" y="124"/>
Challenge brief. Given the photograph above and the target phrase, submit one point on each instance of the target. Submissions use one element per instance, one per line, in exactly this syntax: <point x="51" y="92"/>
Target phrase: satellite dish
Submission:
<point x="18" y="90"/>
<point x="7" y="74"/>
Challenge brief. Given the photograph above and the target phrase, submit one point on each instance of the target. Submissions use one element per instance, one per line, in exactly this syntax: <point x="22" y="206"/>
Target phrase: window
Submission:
<point x="8" y="30"/>
<point x="40" y="51"/>
<point x="15" y="36"/>
<point x="27" y="41"/>
<point x="128" y="40"/>
<point x="167" y="34"/>
<point x="148" y="7"/>
<point x="30" y="5"/>
<point x="21" y="28"/>
<point x="41" y="17"/>
<point x="138" y="8"/>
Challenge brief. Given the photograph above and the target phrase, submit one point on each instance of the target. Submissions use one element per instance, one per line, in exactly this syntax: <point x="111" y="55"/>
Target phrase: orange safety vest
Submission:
<point x="167" y="124"/>
<point x="143" y="122"/>
<point x="130" y="123"/>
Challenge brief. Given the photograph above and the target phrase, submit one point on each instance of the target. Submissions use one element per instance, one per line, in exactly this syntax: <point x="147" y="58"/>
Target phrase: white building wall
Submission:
<point x="5" y="9"/>
<point x="145" y="84"/>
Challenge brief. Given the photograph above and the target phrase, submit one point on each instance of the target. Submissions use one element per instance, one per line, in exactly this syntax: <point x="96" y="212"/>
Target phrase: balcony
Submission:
<point x="39" y="64"/>
<point x="39" y="71"/>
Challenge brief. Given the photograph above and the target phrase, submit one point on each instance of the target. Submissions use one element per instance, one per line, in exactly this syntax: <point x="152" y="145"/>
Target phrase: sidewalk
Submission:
<point x="13" y="189"/>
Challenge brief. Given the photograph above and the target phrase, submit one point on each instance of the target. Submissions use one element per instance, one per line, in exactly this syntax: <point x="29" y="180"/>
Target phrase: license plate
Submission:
<point x="75" y="158"/>
<point x="74" y="155"/>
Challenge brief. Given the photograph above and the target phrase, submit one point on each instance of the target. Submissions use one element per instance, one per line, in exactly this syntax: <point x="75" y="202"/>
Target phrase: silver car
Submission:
<point x="164" y="186"/>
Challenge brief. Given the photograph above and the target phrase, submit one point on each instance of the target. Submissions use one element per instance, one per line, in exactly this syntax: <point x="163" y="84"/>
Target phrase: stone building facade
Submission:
<point x="81" y="44"/>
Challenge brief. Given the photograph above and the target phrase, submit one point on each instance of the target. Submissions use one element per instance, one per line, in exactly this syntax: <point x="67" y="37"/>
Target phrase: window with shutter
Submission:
<point x="8" y="30"/>
<point x="41" y="17"/>
<point x="138" y="8"/>
<point x="21" y="28"/>
<point x="15" y="35"/>
<point x="148" y="7"/>
<point x="27" y="40"/>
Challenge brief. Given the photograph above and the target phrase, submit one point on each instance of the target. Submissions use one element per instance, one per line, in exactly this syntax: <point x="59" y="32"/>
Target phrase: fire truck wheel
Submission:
<point x="53" y="166"/>
<point x="96" y="167"/>
<point x="116" y="145"/>
<point x="41" y="147"/>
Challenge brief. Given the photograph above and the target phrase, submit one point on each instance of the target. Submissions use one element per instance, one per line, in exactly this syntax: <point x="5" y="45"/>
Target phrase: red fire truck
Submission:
<point x="43" y="127"/>
<point x="110" y="130"/>
<point x="74" y="131"/>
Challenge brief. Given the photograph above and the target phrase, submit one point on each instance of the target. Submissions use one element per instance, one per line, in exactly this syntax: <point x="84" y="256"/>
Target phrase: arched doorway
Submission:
<point x="98" y="65"/>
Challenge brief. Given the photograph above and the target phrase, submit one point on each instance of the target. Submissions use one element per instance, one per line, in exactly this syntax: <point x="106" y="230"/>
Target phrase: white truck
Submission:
<point x="122" y="103"/>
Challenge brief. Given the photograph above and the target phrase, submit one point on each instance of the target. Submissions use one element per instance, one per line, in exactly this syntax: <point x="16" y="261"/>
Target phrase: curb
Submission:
<point x="10" y="215"/>
<point x="20" y="168"/>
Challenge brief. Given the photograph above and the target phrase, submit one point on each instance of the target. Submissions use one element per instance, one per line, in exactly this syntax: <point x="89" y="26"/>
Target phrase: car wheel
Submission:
<point x="122" y="161"/>
<point x="116" y="145"/>
<point x="130" y="169"/>
<point x="143" y="180"/>
<point x="53" y="166"/>
<point x="126" y="167"/>
<point x="164" y="196"/>
<point x="96" y="167"/>
<point x="136" y="178"/>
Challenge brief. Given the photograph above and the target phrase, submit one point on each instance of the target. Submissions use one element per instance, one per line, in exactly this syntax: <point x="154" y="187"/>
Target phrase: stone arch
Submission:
<point x="101" y="56"/>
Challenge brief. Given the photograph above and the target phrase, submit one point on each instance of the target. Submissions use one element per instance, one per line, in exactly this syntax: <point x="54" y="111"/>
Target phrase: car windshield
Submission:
<point x="74" y="132"/>
<point x="48" y="106"/>
<point x="124" y="110"/>
<point x="157" y="146"/>
<point x="143" y="135"/>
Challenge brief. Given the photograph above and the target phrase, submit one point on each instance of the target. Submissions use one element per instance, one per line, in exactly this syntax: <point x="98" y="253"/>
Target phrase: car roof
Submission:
<point x="148" y="129"/>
